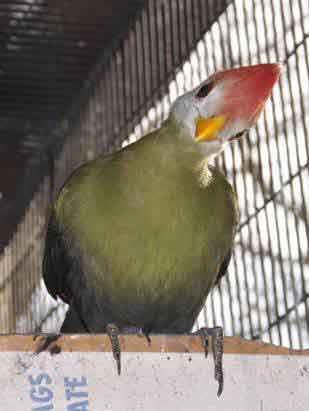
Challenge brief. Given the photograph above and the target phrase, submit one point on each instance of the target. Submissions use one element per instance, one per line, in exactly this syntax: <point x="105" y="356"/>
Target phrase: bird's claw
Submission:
<point x="47" y="344"/>
<point x="113" y="332"/>
<point x="147" y="336"/>
<point x="217" y="348"/>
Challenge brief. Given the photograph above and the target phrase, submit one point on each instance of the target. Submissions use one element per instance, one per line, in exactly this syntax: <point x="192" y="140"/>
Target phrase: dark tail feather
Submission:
<point x="73" y="323"/>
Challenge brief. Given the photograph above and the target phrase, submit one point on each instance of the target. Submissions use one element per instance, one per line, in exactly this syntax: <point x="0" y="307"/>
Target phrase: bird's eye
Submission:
<point x="204" y="90"/>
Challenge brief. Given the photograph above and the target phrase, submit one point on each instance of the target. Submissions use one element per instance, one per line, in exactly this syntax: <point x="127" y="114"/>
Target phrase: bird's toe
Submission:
<point x="113" y="332"/>
<point x="48" y="343"/>
<point x="216" y="334"/>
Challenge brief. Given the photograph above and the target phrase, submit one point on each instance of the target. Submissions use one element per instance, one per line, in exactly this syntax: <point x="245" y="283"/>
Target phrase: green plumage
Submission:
<point x="137" y="238"/>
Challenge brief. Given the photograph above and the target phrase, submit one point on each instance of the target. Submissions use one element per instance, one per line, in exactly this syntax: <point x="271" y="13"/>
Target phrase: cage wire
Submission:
<point x="171" y="47"/>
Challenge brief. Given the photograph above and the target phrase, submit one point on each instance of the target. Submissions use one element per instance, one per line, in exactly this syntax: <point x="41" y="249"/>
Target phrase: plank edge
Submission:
<point x="136" y="343"/>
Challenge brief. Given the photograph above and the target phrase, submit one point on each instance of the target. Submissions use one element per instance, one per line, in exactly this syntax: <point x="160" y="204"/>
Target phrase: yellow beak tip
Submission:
<point x="208" y="128"/>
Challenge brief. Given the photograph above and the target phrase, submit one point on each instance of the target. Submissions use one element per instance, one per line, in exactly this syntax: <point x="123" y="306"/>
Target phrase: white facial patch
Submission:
<point x="210" y="105"/>
<point x="185" y="113"/>
<point x="188" y="107"/>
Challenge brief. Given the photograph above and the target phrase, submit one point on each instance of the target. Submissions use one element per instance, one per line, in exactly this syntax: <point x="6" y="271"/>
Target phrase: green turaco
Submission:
<point x="137" y="239"/>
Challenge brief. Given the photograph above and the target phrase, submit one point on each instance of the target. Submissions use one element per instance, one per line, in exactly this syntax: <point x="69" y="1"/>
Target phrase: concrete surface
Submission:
<point x="152" y="381"/>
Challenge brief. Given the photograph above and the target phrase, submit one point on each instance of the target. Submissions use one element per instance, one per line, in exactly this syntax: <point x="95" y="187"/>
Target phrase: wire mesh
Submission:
<point x="171" y="47"/>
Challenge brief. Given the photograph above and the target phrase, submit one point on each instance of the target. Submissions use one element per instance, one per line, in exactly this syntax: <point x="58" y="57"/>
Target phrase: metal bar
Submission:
<point x="127" y="80"/>
<point x="235" y="261"/>
<point x="43" y="75"/>
<point x="10" y="84"/>
<point x="13" y="93"/>
<point x="109" y="99"/>
<point x="283" y="317"/>
<point x="253" y="265"/>
<point x="276" y="218"/>
<point x="232" y="322"/>
<point x="273" y="196"/>
<point x="157" y="87"/>
<point x="120" y="85"/>
<point x="213" y="308"/>
<point x="283" y="274"/>
<point x="106" y="109"/>
<point x="40" y="16"/>
<point x="35" y="36"/>
<point x="30" y="30"/>
<point x="166" y="19"/>
<point x="145" y="54"/>
<point x="277" y="222"/>
<point x="305" y="32"/>
<point x="33" y="49"/>
<point x="240" y="57"/>
<point x="19" y="6"/>
<point x="153" y="51"/>
<point x="133" y="73"/>
<point x="160" y="57"/>
<point x="258" y="230"/>
<point x="52" y="63"/>
<point x="305" y="131"/>
<point x="96" y="121"/>
<point x="188" y="24"/>
<point x="138" y="64"/>
<point x="28" y="115"/>
<point x="173" y="34"/>
<point x="114" y="102"/>
<point x="28" y="97"/>
<point x="27" y="112"/>
<point x="148" y="47"/>
<point x="45" y="20"/>
<point x="58" y="44"/>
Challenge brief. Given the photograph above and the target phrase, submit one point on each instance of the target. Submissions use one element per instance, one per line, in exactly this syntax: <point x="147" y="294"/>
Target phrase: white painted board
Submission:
<point x="151" y="381"/>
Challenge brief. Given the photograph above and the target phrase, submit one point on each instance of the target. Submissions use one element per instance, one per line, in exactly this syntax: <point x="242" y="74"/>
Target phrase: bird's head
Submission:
<point x="225" y="106"/>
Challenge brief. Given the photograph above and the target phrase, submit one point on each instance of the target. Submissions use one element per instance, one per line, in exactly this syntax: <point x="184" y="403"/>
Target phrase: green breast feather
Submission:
<point x="144" y="223"/>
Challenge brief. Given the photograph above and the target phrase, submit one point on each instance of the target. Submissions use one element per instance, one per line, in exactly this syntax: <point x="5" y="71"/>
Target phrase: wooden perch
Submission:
<point x="135" y="343"/>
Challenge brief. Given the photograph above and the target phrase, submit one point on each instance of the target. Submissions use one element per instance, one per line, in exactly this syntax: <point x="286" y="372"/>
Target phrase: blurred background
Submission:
<point x="81" y="78"/>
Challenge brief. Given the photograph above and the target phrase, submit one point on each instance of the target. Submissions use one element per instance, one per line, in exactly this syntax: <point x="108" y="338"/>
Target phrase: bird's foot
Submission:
<point x="47" y="343"/>
<point x="113" y="332"/>
<point x="217" y="348"/>
<point x="147" y="336"/>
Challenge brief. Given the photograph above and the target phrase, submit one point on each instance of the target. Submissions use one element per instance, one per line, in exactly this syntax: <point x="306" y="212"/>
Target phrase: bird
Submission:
<point x="137" y="239"/>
